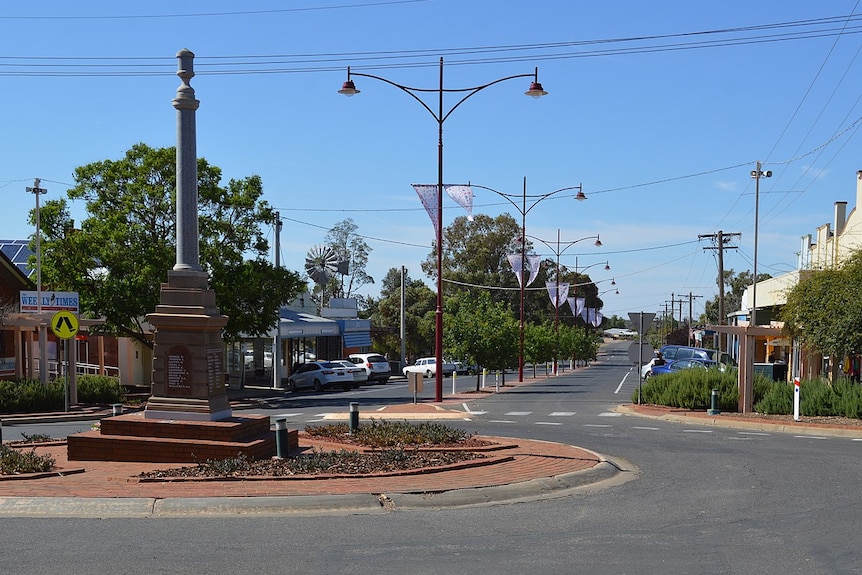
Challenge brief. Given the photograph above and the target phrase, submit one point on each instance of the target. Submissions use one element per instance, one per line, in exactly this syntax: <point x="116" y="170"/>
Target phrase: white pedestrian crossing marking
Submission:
<point x="519" y="413"/>
<point x="561" y="413"/>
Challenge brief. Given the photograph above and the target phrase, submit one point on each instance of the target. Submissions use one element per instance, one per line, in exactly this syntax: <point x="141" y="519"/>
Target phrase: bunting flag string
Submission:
<point x="577" y="305"/>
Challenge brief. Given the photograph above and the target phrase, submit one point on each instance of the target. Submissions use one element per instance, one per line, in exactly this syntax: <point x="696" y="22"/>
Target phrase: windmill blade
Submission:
<point x="321" y="262"/>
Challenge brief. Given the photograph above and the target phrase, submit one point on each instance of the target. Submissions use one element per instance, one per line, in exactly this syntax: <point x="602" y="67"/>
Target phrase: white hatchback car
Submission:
<point x="376" y="366"/>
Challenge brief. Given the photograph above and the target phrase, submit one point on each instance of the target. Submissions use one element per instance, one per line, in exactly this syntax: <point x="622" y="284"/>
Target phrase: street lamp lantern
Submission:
<point x="348" y="88"/>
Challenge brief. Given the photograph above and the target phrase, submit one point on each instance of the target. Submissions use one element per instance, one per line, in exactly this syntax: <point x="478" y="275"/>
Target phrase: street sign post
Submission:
<point x="642" y="320"/>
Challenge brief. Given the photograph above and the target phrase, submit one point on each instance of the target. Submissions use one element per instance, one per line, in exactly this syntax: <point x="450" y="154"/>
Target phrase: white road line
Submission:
<point x="285" y="415"/>
<point x="561" y="413"/>
<point x="697" y="431"/>
<point x="620" y="386"/>
<point x="751" y="433"/>
<point x="518" y="413"/>
<point x="646" y="428"/>
<point x="502" y="421"/>
<point x="610" y="414"/>
<point x="810" y="437"/>
<point x="548" y="423"/>
<point x="471" y="412"/>
<point x="596" y="425"/>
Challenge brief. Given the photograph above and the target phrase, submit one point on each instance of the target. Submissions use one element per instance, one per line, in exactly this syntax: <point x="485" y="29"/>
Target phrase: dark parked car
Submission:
<point x="687" y="363"/>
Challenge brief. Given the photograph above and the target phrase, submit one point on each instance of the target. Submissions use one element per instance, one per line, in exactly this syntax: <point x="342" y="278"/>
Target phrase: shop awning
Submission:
<point x="293" y="324"/>
<point x="362" y="339"/>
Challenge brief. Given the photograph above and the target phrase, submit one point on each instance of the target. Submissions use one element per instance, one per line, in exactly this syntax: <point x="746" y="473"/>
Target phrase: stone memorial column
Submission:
<point x="188" y="352"/>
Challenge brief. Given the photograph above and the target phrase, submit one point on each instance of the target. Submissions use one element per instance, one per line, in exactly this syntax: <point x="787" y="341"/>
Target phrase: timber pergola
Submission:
<point x="747" y="335"/>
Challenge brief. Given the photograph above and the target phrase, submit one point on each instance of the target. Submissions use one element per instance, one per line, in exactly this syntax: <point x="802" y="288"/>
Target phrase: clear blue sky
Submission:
<point x="660" y="109"/>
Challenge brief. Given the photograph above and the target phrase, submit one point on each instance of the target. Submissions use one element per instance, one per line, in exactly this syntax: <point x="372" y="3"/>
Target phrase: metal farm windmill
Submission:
<point x="321" y="263"/>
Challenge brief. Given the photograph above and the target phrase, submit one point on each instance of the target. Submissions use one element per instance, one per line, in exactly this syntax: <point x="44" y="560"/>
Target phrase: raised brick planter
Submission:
<point x="131" y="437"/>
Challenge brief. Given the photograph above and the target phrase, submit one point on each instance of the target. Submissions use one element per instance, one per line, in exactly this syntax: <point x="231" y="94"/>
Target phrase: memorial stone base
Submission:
<point x="188" y="417"/>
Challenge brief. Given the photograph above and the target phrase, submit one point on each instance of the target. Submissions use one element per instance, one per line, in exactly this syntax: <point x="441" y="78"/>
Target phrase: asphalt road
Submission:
<point x="709" y="500"/>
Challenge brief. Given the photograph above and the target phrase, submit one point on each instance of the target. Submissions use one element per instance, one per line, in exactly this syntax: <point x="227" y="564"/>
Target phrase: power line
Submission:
<point x="324" y="62"/>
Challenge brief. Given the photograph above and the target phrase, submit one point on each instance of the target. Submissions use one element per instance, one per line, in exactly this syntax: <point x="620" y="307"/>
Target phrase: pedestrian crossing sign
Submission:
<point x="64" y="324"/>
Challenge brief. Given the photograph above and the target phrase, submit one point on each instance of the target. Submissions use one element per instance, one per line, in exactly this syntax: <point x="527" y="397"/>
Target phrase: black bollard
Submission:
<point x="354" y="417"/>
<point x="713" y="403"/>
<point x="281" y="447"/>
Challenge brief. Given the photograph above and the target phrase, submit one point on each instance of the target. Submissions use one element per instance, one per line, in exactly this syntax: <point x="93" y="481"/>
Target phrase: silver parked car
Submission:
<point x="360" y="377"/>
<point x="320" y="375"/>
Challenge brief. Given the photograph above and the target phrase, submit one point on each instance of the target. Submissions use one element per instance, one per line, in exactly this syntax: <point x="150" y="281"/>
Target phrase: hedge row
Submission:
<point x="692" y="389"/>
<point x="31" y="396"/>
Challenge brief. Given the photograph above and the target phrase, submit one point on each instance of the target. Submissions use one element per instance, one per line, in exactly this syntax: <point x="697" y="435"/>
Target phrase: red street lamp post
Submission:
<point x="440" y="116"/>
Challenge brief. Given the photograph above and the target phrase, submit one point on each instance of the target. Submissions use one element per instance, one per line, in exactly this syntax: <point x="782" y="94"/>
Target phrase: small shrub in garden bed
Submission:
<point x="13" y="461"/>
<point x="386" y="433"/>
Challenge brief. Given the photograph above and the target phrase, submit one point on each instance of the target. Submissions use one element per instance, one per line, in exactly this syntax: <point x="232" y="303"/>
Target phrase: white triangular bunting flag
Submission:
<point x="428" y="196"/>
<point x="534" y="262"/>
<point x="517" y="266"/>
<point x="463" y="196"/>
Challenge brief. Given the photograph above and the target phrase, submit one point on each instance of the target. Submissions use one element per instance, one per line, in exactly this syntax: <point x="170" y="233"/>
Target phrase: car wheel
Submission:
<point x="429" y="374"/>
<point x="347" y="386"/>
<point x="291" y="385"/>
<point x="384" y="380"/>
<point x="317" y="386"/>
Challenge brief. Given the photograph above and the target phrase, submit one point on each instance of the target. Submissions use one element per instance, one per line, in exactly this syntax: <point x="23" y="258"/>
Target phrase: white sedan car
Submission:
<point x="427" y="366"/>
<point x="320" y="375"/>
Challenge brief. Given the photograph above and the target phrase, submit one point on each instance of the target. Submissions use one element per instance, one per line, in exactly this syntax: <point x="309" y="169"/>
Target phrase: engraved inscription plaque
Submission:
<point x="178" y="371"/>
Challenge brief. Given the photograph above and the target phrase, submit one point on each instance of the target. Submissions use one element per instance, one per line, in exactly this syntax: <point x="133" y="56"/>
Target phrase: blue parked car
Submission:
<point x="687" y="363"/>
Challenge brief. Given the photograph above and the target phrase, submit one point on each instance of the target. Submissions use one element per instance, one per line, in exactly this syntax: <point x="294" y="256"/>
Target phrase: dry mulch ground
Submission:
<point x="351" y="459"/>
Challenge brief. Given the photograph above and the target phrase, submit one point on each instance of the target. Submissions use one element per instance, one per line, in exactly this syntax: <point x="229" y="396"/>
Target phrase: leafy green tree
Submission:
<point x="539" y="344"/>
<point x="122" y="252"/>
<point x="824" y="310"/>
<point x="578" y="343"/>
<point x="477" y="327"/>
<point x="353" y="251"/>
<point x="420" y="303"/>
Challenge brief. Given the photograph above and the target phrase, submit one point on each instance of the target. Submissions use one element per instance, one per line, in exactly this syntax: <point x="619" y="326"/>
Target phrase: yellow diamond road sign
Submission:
<point x="64" y="324"/>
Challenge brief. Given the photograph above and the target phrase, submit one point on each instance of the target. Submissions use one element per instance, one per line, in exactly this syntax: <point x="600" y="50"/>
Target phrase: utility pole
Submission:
<point x="43" y="326"/>
<point x="719" y="239"/>
<point x="691" y="297"/>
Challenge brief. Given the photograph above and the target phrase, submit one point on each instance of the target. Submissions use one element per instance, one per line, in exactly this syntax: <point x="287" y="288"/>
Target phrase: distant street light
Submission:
<point x="524" y="210"/>
<point x="440" y="116"/>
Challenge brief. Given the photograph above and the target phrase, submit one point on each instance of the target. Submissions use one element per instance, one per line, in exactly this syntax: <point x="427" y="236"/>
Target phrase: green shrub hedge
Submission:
<point x="692" y="389"/>
<point x="30" y="396"/>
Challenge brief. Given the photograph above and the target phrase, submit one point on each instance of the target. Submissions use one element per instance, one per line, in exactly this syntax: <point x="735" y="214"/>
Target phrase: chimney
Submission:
<point x="840" y="217"/>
